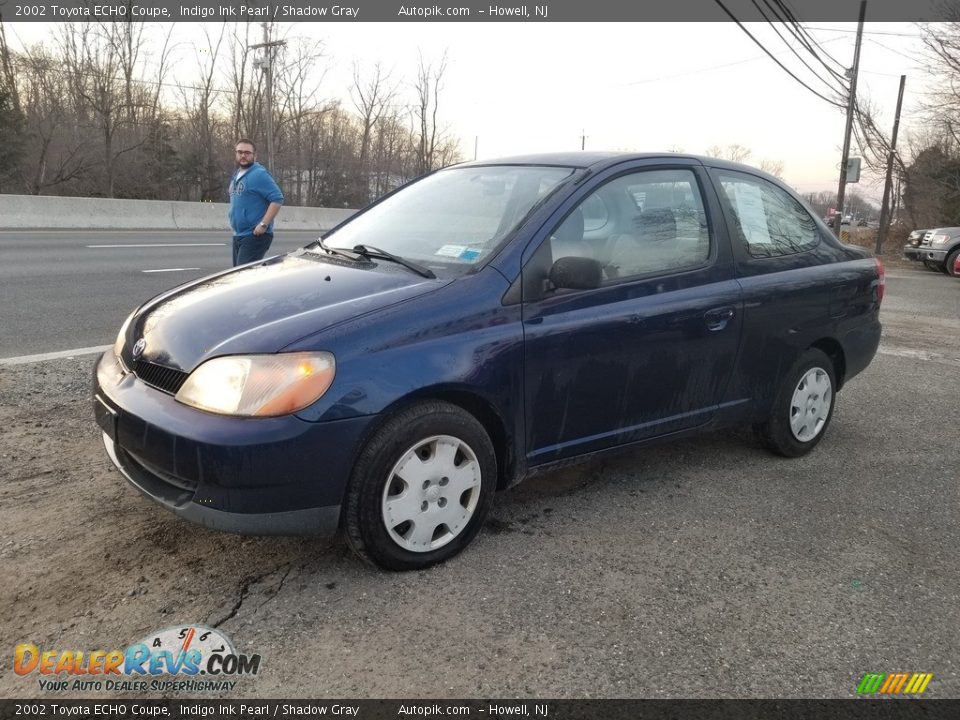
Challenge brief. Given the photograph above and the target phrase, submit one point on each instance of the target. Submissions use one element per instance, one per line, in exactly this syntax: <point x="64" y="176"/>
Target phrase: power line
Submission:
<point x="782" y="66"/>
<point x="809" y="41"/>
<point x="866" y="32"/>
<point x="890" y="49"/>
<point x="711" y="68"/>
<point x="796" y="37"/>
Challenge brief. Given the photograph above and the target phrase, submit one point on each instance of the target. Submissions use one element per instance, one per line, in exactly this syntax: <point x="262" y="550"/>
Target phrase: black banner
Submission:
<point x="459" y="11"/>
<point x="486" y="709"/>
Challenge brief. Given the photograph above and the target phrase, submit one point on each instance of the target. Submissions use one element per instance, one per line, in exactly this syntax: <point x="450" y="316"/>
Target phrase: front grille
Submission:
<point x="162" y="378"/>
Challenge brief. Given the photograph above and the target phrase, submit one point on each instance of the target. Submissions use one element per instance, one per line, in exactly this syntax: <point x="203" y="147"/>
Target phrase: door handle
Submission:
<point x="718" y="318"/>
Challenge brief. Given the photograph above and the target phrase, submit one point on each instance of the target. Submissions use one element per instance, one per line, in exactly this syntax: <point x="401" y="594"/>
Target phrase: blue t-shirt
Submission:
<point x="250" y="196"/>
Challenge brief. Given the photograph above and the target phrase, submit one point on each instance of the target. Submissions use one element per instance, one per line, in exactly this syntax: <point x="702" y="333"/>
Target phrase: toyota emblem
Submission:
<point x="138" y="347"/>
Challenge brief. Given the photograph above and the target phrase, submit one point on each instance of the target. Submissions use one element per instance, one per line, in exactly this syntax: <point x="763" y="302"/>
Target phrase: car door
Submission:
<point x="648" y="350"/>
<point x="794" y="294"/>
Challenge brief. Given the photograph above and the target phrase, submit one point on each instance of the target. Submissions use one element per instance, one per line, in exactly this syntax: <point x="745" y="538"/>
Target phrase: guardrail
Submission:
<point x="33" y="212"/>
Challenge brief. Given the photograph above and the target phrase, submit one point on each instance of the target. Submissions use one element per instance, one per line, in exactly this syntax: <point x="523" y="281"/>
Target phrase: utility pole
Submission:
<point x="851" y="109"/>
<point x="583" y="139"/>
<point x="884" y="208"/>
<point x="896" y="195"/>
<point x="267" y="65"/>
<point x="476" y="142"/>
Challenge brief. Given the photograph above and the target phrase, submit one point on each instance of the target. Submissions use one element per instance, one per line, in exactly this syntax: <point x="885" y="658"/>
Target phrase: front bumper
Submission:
<point x="931" y="255"/>
<point x="911" y="252"/>
<point x="263" y="476"/>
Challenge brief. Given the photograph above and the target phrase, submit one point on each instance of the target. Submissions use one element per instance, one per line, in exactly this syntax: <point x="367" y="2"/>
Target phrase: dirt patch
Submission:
<point x="85" y="557"/>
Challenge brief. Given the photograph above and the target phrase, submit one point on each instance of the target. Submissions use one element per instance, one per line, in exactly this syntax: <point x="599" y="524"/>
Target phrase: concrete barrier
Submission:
<point x="32" y="212"/>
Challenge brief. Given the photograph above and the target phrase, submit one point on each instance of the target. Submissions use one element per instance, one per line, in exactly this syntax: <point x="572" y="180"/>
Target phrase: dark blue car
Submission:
<point x="487" y="321"/>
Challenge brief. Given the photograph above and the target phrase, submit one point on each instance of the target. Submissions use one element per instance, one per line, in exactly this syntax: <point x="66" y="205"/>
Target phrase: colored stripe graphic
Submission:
<point x="871" y="683"/>
<point x="927" y="677"/>
<point x="891" y="683"/>
<point x="894" y="683"/>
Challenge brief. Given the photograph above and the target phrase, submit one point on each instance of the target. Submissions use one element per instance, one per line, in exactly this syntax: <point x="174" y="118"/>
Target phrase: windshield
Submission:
<point x="453" y="219"/>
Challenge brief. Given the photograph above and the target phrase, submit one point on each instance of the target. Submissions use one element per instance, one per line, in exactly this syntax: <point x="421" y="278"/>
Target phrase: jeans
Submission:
<point x="247" y="248"/>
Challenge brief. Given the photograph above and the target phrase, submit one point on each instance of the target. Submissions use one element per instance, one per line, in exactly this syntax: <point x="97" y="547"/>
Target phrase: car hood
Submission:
<point x="262" y="308"/>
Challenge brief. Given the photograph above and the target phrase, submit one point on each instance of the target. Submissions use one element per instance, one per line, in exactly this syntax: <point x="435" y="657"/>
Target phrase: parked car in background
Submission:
<point x="911" y="251"/>
<point x="940" y="248"/>
<point x="489" y="321"/>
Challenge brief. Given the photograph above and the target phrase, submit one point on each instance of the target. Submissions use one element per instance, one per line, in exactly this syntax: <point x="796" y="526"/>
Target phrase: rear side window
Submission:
<point x="765" y="218"/>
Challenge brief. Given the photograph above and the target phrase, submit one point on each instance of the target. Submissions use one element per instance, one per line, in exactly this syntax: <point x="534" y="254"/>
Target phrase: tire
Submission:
<point x="951" y="261"/>
<point x="930" y="265"/>
<point x="803" y="407"/>
<point x="441" y="449"/>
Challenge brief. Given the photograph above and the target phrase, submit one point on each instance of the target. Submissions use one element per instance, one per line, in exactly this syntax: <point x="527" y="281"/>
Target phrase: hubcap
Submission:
<point x="811" y="403"/>
<point x="431" y="493"/>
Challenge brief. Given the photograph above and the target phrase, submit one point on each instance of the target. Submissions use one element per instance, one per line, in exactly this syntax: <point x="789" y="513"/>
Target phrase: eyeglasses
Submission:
<point x="244" y="152"/>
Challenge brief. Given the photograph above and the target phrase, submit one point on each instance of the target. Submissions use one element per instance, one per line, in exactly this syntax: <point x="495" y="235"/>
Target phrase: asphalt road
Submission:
<point x="703" y="568"/>
<point x="72" y="289"/>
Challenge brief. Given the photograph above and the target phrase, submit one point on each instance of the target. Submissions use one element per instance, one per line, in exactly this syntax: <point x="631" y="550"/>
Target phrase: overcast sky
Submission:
<point x="528" y="87"/>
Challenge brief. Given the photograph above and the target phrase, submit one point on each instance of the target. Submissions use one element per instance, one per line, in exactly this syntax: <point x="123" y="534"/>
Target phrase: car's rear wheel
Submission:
<point x="803" y="406"/>
<point x="951" y="264"/>
<point x="420" y="488"/>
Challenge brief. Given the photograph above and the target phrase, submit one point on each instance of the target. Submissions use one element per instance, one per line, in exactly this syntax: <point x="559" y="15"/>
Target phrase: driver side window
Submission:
<point x="636" y="225"/>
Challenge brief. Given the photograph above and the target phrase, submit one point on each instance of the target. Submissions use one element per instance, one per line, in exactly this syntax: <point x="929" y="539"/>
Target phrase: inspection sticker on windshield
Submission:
<point x="459" y="251"/>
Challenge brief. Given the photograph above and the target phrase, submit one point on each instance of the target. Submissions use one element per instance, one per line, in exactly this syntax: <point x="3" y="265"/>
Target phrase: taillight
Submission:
<point x="881" y="280"/>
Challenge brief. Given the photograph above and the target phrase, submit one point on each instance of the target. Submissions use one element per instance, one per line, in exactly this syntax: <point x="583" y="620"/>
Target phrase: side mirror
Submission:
<point x="576" y="273"/>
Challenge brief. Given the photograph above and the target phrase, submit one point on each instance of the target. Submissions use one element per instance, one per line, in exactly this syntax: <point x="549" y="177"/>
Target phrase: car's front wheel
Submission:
<point x="950" y="266"/>
<point x="803" y="406"/>
<point x="420" y="488"/>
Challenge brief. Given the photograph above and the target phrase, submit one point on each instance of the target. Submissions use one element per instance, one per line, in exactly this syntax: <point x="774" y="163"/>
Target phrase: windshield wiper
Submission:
<point x="370" y="251"/>
<point x="356" y="257"/>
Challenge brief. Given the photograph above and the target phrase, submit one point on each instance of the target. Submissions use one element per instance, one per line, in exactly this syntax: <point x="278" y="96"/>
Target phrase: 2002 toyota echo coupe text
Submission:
<point x="489" y="320"/>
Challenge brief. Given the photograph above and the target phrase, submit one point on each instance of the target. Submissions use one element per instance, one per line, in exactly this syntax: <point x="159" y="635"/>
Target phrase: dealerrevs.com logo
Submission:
<point x="894" y="683"/>
<point x="193" y="658"/>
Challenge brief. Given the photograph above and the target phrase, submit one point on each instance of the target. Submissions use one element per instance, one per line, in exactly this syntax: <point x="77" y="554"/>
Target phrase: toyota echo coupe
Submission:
<point x="485" y="322"/>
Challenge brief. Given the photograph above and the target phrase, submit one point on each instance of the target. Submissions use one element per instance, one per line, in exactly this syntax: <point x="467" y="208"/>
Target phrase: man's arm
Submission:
<point x="272" y="210"/>
<point x="272" y="193"/>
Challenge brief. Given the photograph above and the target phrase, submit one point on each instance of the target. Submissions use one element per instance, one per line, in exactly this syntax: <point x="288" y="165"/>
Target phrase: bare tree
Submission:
<point x="57" y="148"/>
<point x="427" y="87"/>
<point x="7" y="79"/>
<point x="247" y="88"/>
<point x="93" y="63"/>
<point x="204" y="152"/>
<point x="733" y="153"/>
<point x="296" y="86"/>
<point x="97" y="121"/>
<point x="12" y="124"/>
<point x="370" y="97"/>
<point x="774" y="167"/>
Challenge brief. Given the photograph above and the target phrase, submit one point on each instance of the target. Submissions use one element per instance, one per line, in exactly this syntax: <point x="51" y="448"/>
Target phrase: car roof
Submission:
<point x="597" y="160"/>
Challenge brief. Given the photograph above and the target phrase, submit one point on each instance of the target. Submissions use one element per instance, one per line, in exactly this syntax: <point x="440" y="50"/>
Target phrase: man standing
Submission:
<point x="255" y="201"/>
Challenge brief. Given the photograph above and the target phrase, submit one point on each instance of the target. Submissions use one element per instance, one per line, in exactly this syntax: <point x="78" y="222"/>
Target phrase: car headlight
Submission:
<point x="940" y="240"/>
<point x="122" y="335"/>
<point x="259" y="385"/>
